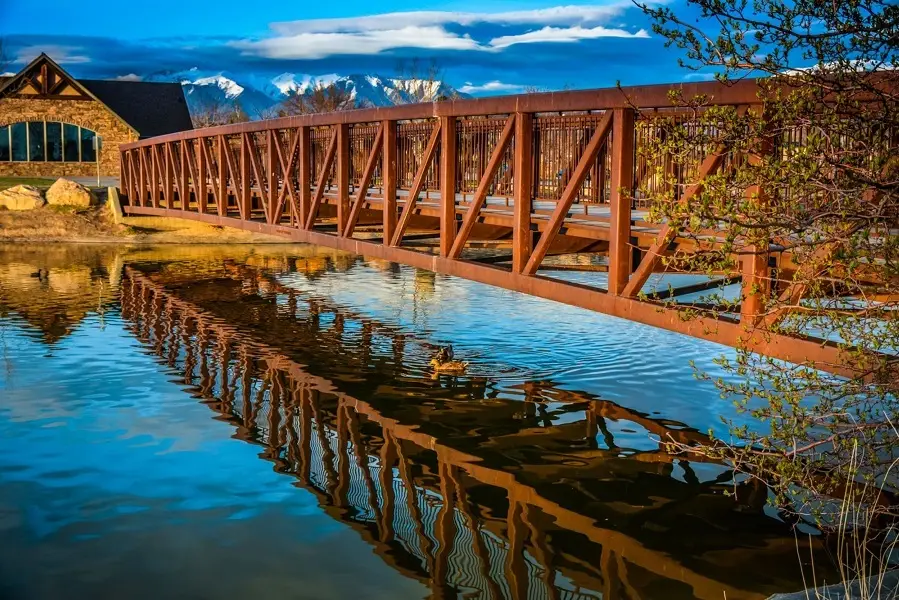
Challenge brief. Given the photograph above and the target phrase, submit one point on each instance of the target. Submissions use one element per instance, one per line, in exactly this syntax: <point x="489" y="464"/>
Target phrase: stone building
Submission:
<point x="49" y="120"/>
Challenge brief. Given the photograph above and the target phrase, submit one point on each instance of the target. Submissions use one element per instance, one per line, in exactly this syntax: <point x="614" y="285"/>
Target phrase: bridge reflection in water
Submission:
<point x="478" y="497"/>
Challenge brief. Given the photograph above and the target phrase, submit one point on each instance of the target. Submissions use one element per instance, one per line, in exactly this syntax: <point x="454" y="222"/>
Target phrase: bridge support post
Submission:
<point x="141" y="189"/>
<point x="304" y="175"/>
<point x="154" y="176"/>
<point x="244" y="166"/>
<point x="388" y="174"/>
<point x="522" y="188"/>
<point x="756" y="284"/>
<point x="167" y="175"/>
<point x="343" y="176"/>
<point x="184" y="174"/>
<point x="200" y="184"/>
<point x="622" y="184"/>
<point x="271" y="180"/>
<point x="447" y="184"/>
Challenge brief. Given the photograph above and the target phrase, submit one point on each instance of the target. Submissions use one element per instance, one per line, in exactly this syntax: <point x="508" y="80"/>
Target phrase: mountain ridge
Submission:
<point x="259" y="96"/>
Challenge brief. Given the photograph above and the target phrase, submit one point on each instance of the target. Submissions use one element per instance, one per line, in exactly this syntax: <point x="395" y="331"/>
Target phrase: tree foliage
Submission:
<point x="417" y="82"/>
<point x="213" y="112"/>
<point x="319" y="97"/>
<point x="808" y="183"/>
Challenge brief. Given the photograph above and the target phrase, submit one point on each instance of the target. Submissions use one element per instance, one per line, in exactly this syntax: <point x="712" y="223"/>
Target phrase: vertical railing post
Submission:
<point x="200" y="185"/>
<point x="246" y="205"/>
<point x="756" y="280"/>
<point x="168" y="175"/>
<point x="154" y="177"/>
<point x="129" y="170"/>
<point x="388" y="174"/>
<point x="343" y="176"/>
<point x="271" y="180"/>
<point x="304" y="176"/>
<point x="522" y="188"/>
<point x="516" y="569"/>
<point x="622" y="184"/>
<point x="447" y="184"/>
<point x="123" y="173"/>
<point x="185" y="175"/>
<point x="223" y="175"/>
<point x="141" y="178"/>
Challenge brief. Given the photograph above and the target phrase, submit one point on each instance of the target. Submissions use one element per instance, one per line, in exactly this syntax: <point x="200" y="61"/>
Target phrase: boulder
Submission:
<point x="21" y="197"/>
<point x="68" y="193"/>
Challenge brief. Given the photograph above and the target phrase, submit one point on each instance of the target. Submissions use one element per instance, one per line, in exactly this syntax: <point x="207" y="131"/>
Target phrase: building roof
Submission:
<point x="149" y="108"/>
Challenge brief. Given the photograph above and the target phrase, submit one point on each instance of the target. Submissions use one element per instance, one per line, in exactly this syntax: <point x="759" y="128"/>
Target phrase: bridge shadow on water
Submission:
<point x="472" y="494"/>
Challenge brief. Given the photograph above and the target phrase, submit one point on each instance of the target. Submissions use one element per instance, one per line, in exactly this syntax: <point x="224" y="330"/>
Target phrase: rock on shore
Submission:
<point x="21" y="197"/>
<point x="68" y="193"/>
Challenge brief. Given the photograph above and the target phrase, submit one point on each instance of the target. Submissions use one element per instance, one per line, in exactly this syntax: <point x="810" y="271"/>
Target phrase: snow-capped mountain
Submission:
<point x="202" y="88"/>
<point x="260" y="96"/>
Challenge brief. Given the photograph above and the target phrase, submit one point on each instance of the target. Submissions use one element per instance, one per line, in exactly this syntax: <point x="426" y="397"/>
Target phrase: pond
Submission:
<point x="235" y="421"/>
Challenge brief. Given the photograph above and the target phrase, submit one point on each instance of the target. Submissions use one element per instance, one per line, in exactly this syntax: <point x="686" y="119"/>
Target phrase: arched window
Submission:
<point x="46" y="141"/>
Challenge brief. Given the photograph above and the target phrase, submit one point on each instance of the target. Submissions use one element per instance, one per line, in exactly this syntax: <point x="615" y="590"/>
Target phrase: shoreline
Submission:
<point x="143" y="242"/>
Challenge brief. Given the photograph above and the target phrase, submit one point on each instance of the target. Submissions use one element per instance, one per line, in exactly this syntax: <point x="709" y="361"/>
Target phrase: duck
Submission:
<point x="41" y="274"/>
<point x="443" y="362"/>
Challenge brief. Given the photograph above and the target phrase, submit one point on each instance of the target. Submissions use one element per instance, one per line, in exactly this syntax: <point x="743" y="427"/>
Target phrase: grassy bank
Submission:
<point x="40" y="182"/>
<point x="64" y="224"/>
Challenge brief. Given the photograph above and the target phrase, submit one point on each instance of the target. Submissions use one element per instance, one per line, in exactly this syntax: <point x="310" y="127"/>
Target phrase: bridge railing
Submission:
<point x="550" y="173"/>
<point x="529" y="153"/>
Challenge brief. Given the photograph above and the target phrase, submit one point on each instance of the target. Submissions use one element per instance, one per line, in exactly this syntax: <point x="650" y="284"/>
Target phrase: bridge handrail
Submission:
<point x="645" y="96"/>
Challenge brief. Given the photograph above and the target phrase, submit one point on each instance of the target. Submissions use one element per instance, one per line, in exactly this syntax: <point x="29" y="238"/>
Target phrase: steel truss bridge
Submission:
<point x="532" y="178"/>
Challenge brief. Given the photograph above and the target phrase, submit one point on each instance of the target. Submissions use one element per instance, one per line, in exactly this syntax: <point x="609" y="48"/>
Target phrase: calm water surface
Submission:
<point x="251" y="422"/>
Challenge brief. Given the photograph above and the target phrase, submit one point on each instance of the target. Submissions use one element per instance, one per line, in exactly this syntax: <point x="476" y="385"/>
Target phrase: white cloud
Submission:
<point x="66" y="55"/>
<point x="129" y="77"/>
<point x="320" y="45"/>
<point x="557" y="15"/>
<point x="490" y="86"/>
<point x="563" y="34"/>
<point x="436" y="30"/>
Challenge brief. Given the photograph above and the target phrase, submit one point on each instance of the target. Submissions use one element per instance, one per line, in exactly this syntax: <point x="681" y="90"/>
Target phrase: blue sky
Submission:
<point x="481" y="47"/>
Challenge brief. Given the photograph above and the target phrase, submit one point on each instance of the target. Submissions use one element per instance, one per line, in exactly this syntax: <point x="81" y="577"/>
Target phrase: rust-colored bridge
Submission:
<point x="495" y="190"/>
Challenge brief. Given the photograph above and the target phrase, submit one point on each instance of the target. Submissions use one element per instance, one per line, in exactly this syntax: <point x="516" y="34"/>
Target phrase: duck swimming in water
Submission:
<point x="443" y="362"/>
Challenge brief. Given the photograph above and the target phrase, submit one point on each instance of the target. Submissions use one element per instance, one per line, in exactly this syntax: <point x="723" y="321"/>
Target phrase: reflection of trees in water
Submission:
<point x="54" y="289"/>
<point x="423" y="288"/>
<point x="499" y="510"/>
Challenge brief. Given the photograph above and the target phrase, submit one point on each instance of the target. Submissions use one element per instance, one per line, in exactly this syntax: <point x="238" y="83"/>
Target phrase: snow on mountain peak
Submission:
<point x="229" y="86"/>
<point x="288" y="82"/>
<point x="261" y="94"/>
